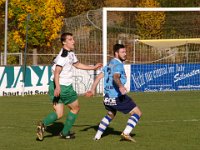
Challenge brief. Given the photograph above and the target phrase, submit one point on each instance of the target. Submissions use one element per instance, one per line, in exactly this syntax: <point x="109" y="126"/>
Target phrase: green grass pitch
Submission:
<point x="170" y="121"/>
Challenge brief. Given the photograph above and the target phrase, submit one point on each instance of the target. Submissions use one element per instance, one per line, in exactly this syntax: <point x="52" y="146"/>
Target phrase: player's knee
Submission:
<point x="76" y="110"/>
<point x="59" y="114"/>
<point x="137" y="111"/>
<point x="111" y="114"/>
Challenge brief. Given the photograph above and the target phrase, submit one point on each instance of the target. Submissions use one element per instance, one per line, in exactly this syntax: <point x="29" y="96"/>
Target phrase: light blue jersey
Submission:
<point x="110" y="88"/>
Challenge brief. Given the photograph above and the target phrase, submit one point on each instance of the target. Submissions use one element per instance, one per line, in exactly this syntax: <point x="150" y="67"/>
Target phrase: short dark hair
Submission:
<point x="64" y="35"/>
<point x="116" y="47"/>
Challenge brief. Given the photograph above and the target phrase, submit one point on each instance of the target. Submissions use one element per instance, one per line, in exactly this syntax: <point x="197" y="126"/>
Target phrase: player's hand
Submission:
<point x="57" y="92"/>
<point x="55" y="100"/>
<point x="98" y="66"/>
<point x="123" y="90"/>
<point x="89" y="94"/>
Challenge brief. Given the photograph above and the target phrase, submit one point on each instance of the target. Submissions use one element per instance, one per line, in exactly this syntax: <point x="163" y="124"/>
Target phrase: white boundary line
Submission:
<point x="163" y="121"/>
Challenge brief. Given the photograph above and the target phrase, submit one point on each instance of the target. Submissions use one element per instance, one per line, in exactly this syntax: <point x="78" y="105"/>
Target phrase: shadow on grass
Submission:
<point x="108" y="131"/>
<point x="54" y="129"/>
<point x="57" y="127"/>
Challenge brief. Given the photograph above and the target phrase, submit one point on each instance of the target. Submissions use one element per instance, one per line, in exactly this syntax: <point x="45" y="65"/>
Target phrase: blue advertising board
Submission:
<point x="165" y="77"/>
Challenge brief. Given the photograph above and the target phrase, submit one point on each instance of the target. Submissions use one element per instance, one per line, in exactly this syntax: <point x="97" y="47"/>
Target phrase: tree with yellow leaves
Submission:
<point x="2" y="2"/>
<point x="149" y="24"/>
<point x="2" y="24"/>
<point x="44" y="24"/>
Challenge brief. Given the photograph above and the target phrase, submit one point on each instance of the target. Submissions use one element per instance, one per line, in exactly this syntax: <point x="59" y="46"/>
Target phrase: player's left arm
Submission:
<point x="79" y="65"/>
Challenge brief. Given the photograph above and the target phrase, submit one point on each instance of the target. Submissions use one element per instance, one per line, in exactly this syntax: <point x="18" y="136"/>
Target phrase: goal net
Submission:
<point x="163" y="44"/>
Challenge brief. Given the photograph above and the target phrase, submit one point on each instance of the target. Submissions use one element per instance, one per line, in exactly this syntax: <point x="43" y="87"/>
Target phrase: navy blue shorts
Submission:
<point x="123" y="104"/>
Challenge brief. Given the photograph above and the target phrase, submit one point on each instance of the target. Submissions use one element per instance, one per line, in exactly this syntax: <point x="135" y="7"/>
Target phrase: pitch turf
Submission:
<point x="170" y="121"/>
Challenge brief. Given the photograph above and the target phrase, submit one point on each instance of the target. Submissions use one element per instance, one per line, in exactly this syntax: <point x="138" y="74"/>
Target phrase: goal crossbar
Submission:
<point x="167" y="43"/>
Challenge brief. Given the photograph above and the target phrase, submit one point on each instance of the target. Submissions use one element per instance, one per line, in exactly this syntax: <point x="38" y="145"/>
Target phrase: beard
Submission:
<point x="122" y="59"/>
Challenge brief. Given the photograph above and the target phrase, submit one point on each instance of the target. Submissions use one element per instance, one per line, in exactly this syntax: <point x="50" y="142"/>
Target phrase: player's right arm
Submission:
<point x="94" y="85"/>
<point x="79" y="65"/>
<point x="116" y="78"/>
<point x="57" y="71"/>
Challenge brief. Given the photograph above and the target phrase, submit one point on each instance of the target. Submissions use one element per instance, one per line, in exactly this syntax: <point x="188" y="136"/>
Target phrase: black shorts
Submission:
<point x="123" y="104"/>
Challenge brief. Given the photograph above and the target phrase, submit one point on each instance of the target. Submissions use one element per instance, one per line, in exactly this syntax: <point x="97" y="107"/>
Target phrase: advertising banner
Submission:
<point x="165" y="77"/>
<point x="36" y="80"/>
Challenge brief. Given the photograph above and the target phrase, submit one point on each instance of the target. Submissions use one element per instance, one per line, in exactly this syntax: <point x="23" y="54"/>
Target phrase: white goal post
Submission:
<point x="136" y="9"/>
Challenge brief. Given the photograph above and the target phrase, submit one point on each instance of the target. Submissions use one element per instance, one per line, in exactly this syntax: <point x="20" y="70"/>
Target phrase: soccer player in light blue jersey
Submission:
<point x="115" y="97"/>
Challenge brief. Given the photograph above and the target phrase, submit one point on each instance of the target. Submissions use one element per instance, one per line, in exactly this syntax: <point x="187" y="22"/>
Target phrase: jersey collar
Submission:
<point x="119" y="60"/>
<point x="66" y="50"/>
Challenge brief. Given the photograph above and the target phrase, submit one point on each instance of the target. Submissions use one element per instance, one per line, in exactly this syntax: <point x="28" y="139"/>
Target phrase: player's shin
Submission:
<point x="102" y="127"/>
<point x="132" y="122"/>
<point x="69" y="123"/>
<point x="51" y="118"/>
